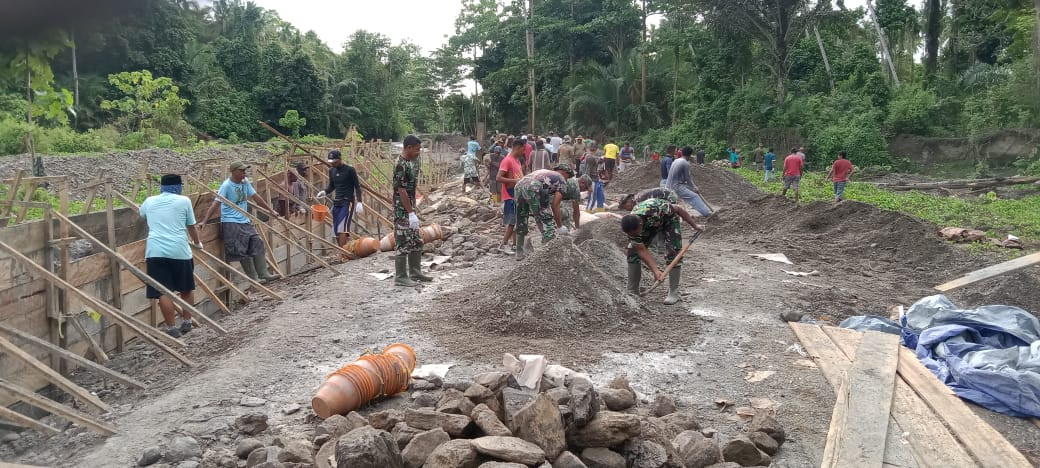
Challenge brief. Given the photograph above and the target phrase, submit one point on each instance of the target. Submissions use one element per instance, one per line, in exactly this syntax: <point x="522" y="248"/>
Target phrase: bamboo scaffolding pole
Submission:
<point x="22" y="420"/>
<point x="32" y="340"/>
<point x="53" y="407"/>
<point x="54" y="377"/>
<point x="226" y="281"/>
<point x="158" y="339"/>
<point x="98" y="351"/>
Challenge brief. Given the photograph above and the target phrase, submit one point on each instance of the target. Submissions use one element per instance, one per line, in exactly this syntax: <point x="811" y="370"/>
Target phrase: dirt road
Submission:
<point x="723" y="333"/>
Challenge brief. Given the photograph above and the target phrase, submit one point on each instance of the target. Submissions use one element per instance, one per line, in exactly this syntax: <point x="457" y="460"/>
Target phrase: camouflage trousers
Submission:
<point x="531" y="201"/>
<point x="670" y="234"/>
<point x="408" y="240"/>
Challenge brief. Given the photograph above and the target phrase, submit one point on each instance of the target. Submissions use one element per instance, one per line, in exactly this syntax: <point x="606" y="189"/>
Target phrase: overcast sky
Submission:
<point x="427" y="23"/>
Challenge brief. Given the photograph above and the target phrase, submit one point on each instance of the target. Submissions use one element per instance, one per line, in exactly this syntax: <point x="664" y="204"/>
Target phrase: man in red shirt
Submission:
<point x="792" y="173"/>
<point x="509" y="172"/>
<point x="840" y="173"/>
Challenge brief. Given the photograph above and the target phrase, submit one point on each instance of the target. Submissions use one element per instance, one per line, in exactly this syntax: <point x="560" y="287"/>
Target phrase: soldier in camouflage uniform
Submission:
<point x="648" y="219"/>
<point x="631" y="200"/>
<point x="406" y="222"/>
<point x="539" y="194"/>
<point x="572" y="193"/>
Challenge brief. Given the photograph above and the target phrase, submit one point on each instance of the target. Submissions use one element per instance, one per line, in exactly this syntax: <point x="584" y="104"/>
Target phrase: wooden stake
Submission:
<point x="99" y="352"/>
<point x="225" y="280"/>
<point x="59" y="409"/>
<point x="22" y="420"/>
<point x="159" y="339"/>
<point x="12" y="192"/>
<point x="65" y="384"/>
<point x="118" y="376"/>
<point x="115" y="281"/>
<point x="143" y="276"/>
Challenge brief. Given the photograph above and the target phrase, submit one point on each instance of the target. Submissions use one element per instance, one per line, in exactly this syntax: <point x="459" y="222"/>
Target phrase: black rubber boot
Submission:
<point x="248" y="268"/>
<point x="415" y="267"/>
<point x="401" y="272"/>
<point x="520" y="247"/>
<point x="260" y="263"/>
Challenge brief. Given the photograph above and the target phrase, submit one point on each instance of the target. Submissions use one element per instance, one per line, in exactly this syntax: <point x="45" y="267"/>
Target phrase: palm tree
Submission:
<point x="607" y="99"/>
<point x="335" y="106"/>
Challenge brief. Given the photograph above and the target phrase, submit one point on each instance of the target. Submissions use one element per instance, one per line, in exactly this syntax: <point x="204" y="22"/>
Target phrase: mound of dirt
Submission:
<point x="606" y="257"/>
<point x="537" y="303"/>
<point x="637" y="176"/>
<point x="607" y="230"/>
<point x="723" y="188"/>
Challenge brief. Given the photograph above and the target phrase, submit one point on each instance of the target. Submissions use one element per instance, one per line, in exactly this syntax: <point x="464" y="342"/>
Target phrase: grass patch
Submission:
<point x="998" y="217"/>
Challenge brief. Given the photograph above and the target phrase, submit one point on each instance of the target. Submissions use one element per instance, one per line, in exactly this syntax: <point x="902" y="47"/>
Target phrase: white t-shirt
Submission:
<point x="556" y="143"/>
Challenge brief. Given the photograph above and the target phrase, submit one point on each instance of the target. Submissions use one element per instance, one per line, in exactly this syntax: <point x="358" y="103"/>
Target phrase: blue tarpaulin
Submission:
<point x="989" y="355"/>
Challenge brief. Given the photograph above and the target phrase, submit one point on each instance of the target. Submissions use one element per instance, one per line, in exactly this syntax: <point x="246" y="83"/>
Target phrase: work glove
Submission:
<point x="413" y="221"/>
<point x="360" y="210"/>
<point x="320" y="195"/>
<point x="562" y="231"/>
<point x="198" y="245"/>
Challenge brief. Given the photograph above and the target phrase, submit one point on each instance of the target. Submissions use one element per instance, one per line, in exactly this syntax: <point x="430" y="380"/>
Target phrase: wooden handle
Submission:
<point x="676" y="261"/>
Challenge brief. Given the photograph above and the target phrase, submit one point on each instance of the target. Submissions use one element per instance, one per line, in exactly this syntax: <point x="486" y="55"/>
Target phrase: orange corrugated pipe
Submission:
<point x="369" y="377"/>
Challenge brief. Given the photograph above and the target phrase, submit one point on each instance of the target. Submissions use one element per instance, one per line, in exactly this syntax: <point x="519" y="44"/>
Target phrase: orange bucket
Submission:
<point x="320" y="212"/>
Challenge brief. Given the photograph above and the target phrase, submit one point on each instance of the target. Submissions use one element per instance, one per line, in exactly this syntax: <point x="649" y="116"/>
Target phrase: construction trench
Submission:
<point x="624" y="381"/>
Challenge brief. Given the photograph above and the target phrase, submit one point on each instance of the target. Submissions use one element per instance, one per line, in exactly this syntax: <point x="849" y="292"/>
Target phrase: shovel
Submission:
<point x="675" y="262"/>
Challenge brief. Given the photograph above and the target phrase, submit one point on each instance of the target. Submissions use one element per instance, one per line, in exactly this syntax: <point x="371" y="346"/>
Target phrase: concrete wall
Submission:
<point x="23" y="297"/>
<point x="1001" y="148"/>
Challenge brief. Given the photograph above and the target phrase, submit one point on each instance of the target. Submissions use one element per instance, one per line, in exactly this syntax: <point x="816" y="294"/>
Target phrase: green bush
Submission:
<point x="139" y="140"/>
<point x="982" y="170"/>
<point x="860" y="137"/>
<point x="1033" y="169"/>
<point x="66" y="140"/>
<point x="12" y="136"/>
<point x="910" y="111"/>
<point x="164" y="141"/>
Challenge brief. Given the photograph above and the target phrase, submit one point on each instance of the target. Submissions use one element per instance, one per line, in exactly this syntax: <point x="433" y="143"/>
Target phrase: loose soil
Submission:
<point x="124" y="167"/>
<point x="566" y="304"/>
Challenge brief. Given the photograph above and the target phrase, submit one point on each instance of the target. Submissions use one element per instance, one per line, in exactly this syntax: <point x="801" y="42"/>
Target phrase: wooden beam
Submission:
<point x="118" y="376"/>
<point x="834" y="364"/>
<point x="318" y="258"/>
<point x="859" y="425"/>
<point x="155" y="337"/>
<point x="990" y="272"/>
<point x="115" y="279"/>
<point x="22" y="420"/>
<point x="12" y="192"/>
<point x="142" y="275"/>
<point x="256" y="284"/>
<point x="931" y="444"/>
<point x="99" y="352"/>
<point x="65" y="384"/>
<point x="212" y="295"/>
<point x="987" y="445"/>
<point x="59" y="409"/>
<point x="224" y="280"/>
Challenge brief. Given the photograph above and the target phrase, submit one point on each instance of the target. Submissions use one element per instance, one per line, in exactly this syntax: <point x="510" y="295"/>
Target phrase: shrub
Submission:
<point x="982" y="170"/>
<point x="138" y="140"/>
<point x="165" y="140"/>
<point x="910" y="111"/>
<point x="12" y="136"/>
<point x="66" y="140"/>
<point x="859" y="136"/>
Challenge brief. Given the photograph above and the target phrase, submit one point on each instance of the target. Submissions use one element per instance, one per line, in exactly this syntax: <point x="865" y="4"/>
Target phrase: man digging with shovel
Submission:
<point x="649" y="218"/>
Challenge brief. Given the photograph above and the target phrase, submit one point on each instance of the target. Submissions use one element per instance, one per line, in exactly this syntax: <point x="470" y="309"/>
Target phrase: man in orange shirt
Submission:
<point x="792" y="173"/>
<point x="839" y="174"/>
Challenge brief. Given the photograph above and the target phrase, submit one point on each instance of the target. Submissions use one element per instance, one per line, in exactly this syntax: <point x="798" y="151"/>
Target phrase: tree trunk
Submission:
<point x="951" y="66"/>
<point x="823" y="52"/>
<point x="1036" y="52"/>
<point x="642" y="65"/>
<point x="933" y="28"/>
<point x="75" y="73"/>
<point x="675" y="84"/>
<point x="886" y="53"/>
<point x="530" y="68"/>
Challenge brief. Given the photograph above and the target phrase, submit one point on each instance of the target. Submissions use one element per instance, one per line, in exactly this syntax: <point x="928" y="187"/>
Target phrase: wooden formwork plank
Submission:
<point x="57" y="379"/>
<point x="118" y="376"/>
<point x="59" y="409"/>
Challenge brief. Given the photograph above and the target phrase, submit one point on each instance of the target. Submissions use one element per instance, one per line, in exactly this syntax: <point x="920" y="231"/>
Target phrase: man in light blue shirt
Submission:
<point x="241" y="241"/>
<point x="679" y="180"/>
<point x="168" y="258"/>
<point x="472" y="147"/>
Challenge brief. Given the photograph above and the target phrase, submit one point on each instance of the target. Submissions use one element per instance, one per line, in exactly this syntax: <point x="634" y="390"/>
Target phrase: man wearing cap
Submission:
<point x="579" y="148"/>
<point x="406" y="222"/>
<point x="167" y="255"/>
<point x="241" y="241"/>
<point x="567" y="155"/>
<point x="572" y="193"/>
<point x="539" y="194"/>
<point x="298" y="185"/>
<point x="343" y="182"/>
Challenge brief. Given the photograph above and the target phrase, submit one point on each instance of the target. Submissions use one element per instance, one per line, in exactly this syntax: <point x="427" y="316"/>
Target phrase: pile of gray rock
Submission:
<point x="493" y="422"/>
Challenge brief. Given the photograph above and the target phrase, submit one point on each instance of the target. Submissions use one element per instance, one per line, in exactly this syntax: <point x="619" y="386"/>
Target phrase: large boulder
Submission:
<point x="386" y="420"/>
<point x="493" y="381"/>
<point x="739" y="449"/>
<point x="488" y="421"/>
<point x="297" y="451"/>
<point x="583" y="403"/>
<point x="338" y="425"/>
<point x="618" y="399"/>
<point x="607" y="429"/>
<point x="640" y="453"/>
<point x="454" y="424"/>
<point x="454" y="402"/>
<point x="422" y="445"/>
<point x="403" y="434"/>
<point x="183" y="448"/>
<point x="683" y="420"/>
<point x="540" y="423"/>
<point x="251" y="423"/>
<point x="510" y="449"/>
<point x="599" y="457"/>
<point x="696" y="450"/>
<point x="458" y="453"/>
<point x="764" y="442"/>
<point x="481" y="395"/>
<point x="568" y="460"/>
<point x="764" y="422"/>
<point x="368" y="447"/>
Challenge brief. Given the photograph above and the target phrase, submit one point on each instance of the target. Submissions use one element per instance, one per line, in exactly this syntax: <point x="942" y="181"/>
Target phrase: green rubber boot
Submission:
<point x="673" y="287"/>
<point x="260" y="263"/>
<point x="415" y="267"/>
<point x="635" y="274"/>
<point x="248" y="268"/>
<point x="401" y="272"/>
<point x="520" y="253"/>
